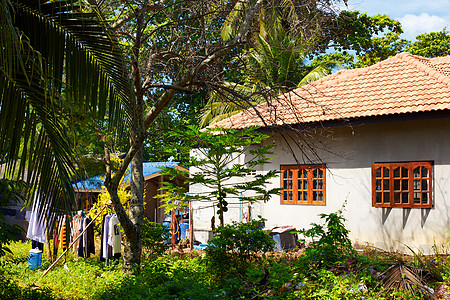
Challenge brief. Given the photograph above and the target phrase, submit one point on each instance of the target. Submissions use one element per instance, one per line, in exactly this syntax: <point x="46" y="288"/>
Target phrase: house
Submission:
<point x="375" y="138"/>
<point x="89" y="189"/>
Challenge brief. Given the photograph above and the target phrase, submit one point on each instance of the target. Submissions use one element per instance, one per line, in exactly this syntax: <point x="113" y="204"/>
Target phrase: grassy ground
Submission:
<point x="185" y="275"/>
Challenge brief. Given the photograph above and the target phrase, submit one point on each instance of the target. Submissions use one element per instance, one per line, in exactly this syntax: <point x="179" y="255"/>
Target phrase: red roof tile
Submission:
<point x="401" y="84"/>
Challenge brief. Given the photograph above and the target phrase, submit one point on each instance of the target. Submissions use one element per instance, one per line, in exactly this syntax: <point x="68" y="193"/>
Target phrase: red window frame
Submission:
<point x="303" y="184"/>
<point x="402" y="184"/>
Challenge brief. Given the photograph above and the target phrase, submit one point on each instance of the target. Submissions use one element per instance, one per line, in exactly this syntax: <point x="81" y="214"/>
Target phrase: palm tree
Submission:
<point x="273" y="66"/>
<point x="53" y="56"/>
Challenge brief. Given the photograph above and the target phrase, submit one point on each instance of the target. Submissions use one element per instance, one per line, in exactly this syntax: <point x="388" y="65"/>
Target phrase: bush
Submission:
<point x="235" y="245"/>
<point x="154" y="236"/>
<point x="329" y="242"/>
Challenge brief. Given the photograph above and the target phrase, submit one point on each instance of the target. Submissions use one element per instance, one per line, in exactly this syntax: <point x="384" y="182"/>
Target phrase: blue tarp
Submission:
<point x="150" y="168"/>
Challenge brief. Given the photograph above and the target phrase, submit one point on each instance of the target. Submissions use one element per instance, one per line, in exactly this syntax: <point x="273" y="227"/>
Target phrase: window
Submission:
<point x="304" y="184"/>
<point x="402" y="184"/>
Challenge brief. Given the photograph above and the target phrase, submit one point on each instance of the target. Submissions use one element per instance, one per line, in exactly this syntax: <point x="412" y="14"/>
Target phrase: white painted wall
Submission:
<point x="348" y="154"/>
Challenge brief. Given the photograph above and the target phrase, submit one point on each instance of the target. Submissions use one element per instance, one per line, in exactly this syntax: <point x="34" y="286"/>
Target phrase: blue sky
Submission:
<point x="416" y="16"/>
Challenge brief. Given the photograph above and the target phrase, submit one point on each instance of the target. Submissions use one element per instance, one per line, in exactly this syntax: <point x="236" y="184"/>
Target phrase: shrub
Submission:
<point x="329" y="242"/>
<point x="154" y="236"/>
<point x="235" y="245"/>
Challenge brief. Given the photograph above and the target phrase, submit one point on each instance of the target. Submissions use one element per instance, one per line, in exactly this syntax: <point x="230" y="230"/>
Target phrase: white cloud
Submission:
<point x="413" y="25"/>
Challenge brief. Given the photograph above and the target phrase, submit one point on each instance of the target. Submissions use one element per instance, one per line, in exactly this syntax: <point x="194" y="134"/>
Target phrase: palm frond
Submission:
<point x="61" y="57"/>
<point x="402" y="277"/>
<point x="231" y="25"/>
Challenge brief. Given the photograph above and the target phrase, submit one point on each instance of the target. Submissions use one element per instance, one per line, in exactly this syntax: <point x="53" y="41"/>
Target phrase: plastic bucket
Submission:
<point x="34" y="259"/>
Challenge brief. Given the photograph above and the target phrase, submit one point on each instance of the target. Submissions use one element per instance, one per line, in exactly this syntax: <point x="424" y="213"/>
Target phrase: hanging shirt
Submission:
<point x="36" y="227"/>
<point x="63" y="236"/>
<point x="81" y="240"/>
<point x="76" y="222"/>
<point x="105" y="236"/>
<point x="114" y="236"/>
<point x="90" y="243"/>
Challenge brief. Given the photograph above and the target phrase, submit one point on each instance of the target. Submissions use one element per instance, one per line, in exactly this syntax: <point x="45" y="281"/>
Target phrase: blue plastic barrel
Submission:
<point x="183" y="227"/>
<point x="166" y="225"/>
<point x="34" y="259"/>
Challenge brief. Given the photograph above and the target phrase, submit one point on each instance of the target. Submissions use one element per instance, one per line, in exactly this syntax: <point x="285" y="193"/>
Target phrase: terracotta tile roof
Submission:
<point x="401" y="84"/>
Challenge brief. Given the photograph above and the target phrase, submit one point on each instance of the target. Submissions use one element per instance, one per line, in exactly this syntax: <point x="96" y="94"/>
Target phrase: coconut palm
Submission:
<point x="53" y="57"/>
<point x="273" y="66"/>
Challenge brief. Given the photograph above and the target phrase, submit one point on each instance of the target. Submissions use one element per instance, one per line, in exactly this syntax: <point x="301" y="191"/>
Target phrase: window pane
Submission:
<point x="378" y="198"/>
<point x="417" y="172"/>
<point x="320" y="173"/>
<point x="290" y="174"/>
<point x="424" y="172"/>
<point x="417" y="184"/>
<point x="314" y="184"/>
<point x="305" y="174"/>
<point x="397" y="185"/>
<point x="315" y="173"/>
<point x="300" y="196"/>
<point x="424" y="184"/>
<point x="386" y="197"/>
<point x="378" y="173"/>
<point x="290" y="184"/>
<point x="285" y="174"/>
<point x="397" y="172"/>
<point x="405" y="172"/>
<point x="314" y="196"/>
<point x="385" y="172"/>
<point x="320" y="185"/>
<point x="290" y="196"/>
<point x="386" y="184"/>
<point x="425" y="198"/>
<point x="378" y="184"/>
<point x="285" y="195"/>
<point x="305" y="196"/>
<point x="404" y="185"/>
<point x="397" y="198"/>
<point x="416" y="198"/>
<point x="405" y="199"/>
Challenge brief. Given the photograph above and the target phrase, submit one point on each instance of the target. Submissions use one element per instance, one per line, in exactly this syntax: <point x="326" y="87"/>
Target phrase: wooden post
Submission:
<point x="173" y="226"/>
<point x="191" y="226"/>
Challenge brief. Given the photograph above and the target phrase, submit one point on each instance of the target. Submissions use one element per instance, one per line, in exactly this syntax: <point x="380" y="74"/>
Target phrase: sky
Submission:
<point x="416" y="16"/>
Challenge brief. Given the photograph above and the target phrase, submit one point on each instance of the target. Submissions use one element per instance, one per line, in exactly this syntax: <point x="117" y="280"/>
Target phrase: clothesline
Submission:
<point x="73" y="242"/>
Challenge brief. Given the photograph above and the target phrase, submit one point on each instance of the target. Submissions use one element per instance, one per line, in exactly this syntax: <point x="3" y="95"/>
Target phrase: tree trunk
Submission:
<point x="132" y="244"/>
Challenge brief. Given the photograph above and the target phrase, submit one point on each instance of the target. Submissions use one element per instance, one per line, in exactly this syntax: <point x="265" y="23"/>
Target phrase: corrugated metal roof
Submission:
<point x="150" y="168"/>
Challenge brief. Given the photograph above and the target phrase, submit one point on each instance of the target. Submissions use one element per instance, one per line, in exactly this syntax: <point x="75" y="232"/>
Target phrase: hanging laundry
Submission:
<point x="64" y="234"/>
<point x="104" y="238"/>
<point x="75" y="231"/>
<point x="88" y="238"/>
<point x="110" y="247"/>
<point x="81" y="240"/>
<point x="115" y="237"/>
<point x="56" y="234"/>
<point x="36" y="226"/>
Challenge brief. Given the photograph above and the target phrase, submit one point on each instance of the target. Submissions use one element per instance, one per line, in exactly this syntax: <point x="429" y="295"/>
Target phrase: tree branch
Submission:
<point x="168" y="95"/>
